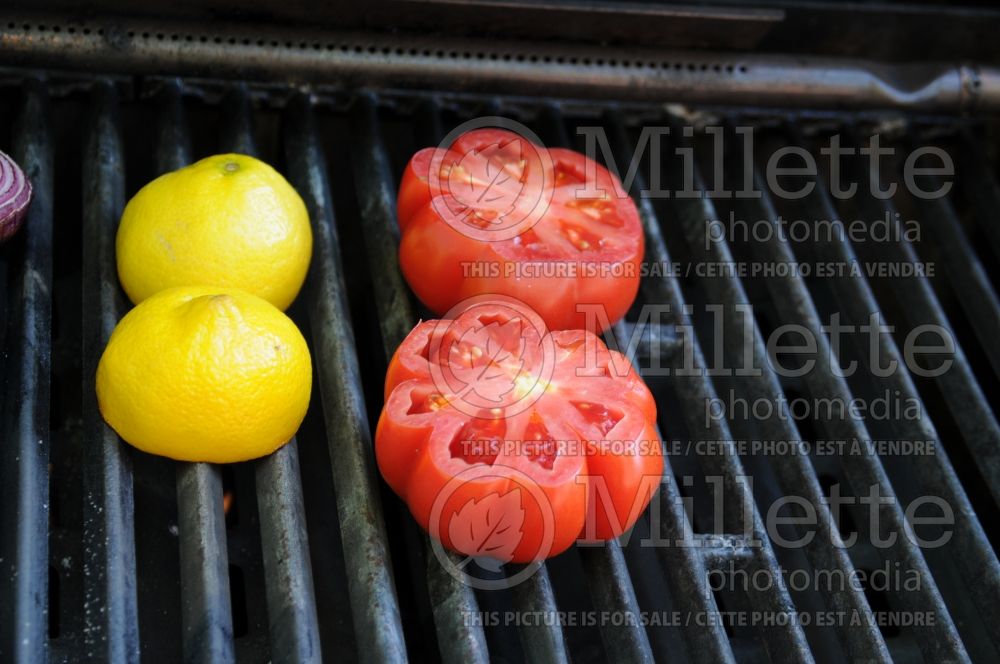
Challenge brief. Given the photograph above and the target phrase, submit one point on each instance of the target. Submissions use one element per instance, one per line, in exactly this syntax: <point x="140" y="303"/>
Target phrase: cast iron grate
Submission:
<point x="109" y="554"/>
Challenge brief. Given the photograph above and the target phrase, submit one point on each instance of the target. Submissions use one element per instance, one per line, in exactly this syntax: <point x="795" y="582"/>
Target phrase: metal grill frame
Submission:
<point x="352" y="59"/>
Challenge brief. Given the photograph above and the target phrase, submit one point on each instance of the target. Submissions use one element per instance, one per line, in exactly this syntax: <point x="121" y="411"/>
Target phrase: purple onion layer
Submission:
<point x="15" y="196"/>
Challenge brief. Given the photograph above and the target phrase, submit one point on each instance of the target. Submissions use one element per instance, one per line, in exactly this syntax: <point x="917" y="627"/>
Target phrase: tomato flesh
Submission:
<point x="560" y="431"/>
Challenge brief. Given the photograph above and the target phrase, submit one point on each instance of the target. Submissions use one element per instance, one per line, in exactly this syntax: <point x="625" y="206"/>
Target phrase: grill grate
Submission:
<point x="154" y="557"/>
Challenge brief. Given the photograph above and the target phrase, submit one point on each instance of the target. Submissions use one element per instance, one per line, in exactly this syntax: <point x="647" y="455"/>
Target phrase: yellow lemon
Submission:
<point x="205" y="374"/>
<point x="225" y="221"/>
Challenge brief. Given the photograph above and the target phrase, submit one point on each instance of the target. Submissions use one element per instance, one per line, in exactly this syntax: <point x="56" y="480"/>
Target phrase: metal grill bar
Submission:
<point x="719" y="550"/>
<point x="605" y="569"/>
<point x="373" y="596"/>
<point x="377" y="197"/>
<point x="980" y="185"/>
<point x="291" y="602"/>
<point x="206" y="611"/>
<point x="25" y="451"/>
<point x="940" y="642"/>
<point x="543" y="643"/>
<point x="688" y="576"/>
<point x="970" y="549"/>
<point x="965" y="272"/>
<point x="112" y="627"/>
<point x="794" y="472"/>
<point x="451" y="599"/>
<point x="785" y="643"/>
<point x="961" y="391"/>
<point x="458" y="642"/>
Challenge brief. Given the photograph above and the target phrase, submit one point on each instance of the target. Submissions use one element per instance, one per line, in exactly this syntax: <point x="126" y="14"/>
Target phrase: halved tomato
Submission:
<point x="510" y="441"/>
<point x="495" y="213"/>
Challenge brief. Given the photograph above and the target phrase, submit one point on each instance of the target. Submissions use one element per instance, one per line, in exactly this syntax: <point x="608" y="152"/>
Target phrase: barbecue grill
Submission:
<point x="109" y="554"/>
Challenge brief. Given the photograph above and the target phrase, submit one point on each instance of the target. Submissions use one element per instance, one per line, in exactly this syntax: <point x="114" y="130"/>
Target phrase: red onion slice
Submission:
<point x="15" y="196"/>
